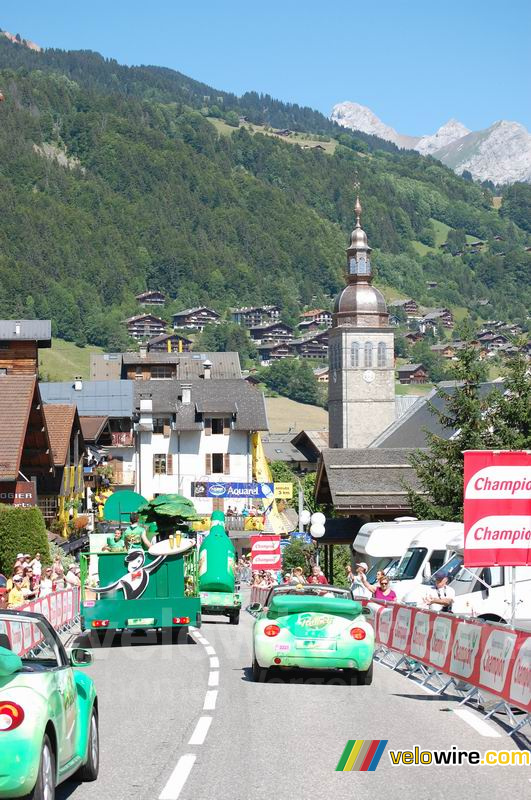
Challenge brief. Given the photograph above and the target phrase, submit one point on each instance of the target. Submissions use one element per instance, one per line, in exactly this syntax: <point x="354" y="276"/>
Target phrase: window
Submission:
<point x="368" y="354"/>
<point x="159" y="464"/>
<point x="3" y="370"/>
<point x="354" y="354"/>
<point x="217" y="462"/>
<point x="161" y="372"/>
<point x="382" y="355"/>
<point x="221" y="425"/>
<point x="161" y="425"/>
<point x="138" y="373"/>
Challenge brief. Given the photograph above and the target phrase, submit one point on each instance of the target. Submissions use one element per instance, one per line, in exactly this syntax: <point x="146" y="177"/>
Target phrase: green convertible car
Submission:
<point x="314" y="627"/>
<point x="48" y="711"/>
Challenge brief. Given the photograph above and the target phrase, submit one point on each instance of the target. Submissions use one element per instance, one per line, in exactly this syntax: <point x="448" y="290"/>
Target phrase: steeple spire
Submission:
<point x="358" y="253"/>
<point x="358" y="209"/>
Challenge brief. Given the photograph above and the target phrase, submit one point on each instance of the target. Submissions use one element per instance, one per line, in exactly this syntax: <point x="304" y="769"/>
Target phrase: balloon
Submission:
<point x="318" y="518"/>
<point x="305" y="517"/>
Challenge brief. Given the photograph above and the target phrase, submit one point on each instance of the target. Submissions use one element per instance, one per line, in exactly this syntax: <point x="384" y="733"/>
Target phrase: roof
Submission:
<point x="215" y="396"/>
<point x="315" y="311"/>
<point x="60" y="419"/>
<point x="34" y="330"/>
<point x="365" y="480"/>
<point x="190" y="365"/>
<point x="145" y="316"/>
<point x="92" y="427"/>
<point x="143" y="295"/>
<point x="269" y="325"/>
<point x="188" y="311"/>
<point x="311" y="443"/>
<point x="409" y="368"/>
<point x="279" y="447"/>
<point x="112" y="398"/>
<point x="163" y="337"/>
<point x="16" y="396"/>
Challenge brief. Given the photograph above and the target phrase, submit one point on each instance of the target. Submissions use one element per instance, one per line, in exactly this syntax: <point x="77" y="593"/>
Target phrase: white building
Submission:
<point x="199" y="431"/>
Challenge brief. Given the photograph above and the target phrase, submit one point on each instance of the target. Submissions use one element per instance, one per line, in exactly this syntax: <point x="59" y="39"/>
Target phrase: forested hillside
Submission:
<point x="153" y="197"/>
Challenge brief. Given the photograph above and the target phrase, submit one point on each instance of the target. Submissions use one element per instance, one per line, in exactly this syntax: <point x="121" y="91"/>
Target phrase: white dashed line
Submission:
<point x="201" y="639"/>
<point x="210" y="700"/>
<point x="209" y="650"/>
<point x="213" y="679"/>
<point x="178" y="778"/>
<point x="478" y="724"/>
<point x="201" y="730"/>
<point x="214" y="662"/>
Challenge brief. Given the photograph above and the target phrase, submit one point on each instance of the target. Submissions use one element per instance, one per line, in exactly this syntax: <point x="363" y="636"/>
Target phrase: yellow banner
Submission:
<point x="283" y="491"/>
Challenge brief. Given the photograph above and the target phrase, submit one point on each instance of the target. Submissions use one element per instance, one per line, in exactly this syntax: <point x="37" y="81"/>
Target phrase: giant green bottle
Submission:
<point x="216" y="561"/>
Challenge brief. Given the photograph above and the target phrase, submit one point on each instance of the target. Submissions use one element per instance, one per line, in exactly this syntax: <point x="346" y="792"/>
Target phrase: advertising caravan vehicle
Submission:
<point x="430" y="547"/>
<point x="482" y="592"/>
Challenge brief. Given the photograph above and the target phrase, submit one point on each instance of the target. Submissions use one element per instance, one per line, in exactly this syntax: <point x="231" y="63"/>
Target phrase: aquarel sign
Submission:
<point x="497" y="508"/>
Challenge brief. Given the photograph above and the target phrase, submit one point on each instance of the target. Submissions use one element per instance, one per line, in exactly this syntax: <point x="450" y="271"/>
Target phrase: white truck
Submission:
<point x="482" y="592"/>
<point x="382" y="544"/>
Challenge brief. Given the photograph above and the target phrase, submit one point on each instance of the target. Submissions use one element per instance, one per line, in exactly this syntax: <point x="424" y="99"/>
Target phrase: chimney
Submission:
<point x="142" y="350"/>
<point x="186" y="389"/>
<point x="78" y="384"/>
<point x="207" y="365"/>
<point x="146" y="405"/>
<point x="17" y="328"/>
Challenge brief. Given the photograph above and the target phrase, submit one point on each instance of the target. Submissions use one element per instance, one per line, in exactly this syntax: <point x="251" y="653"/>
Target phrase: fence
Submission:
<point x="61" y="609"/>
<point x="259" y="595"/>
<point x="463" y="652"/>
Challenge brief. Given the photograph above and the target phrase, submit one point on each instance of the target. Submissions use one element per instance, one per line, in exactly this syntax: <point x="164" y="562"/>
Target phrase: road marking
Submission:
<point x="210" y="650"/>
<point x="479" y="725"/>
<point x="201" y="730"/>
<point x="213" y="679"/>
<point x="202" y="639"/>
<point x="214" y="662"/>
<point x="178" y="778"/>
<point x="210" y="700"/>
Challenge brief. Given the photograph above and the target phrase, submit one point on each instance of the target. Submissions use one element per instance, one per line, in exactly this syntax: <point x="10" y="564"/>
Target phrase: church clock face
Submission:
<point x="368" y="376"/>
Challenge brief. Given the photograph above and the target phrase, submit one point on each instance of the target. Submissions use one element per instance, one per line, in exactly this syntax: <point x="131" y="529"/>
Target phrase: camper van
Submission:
<point x="483" y="592"/>
<point x="408" y="549"/>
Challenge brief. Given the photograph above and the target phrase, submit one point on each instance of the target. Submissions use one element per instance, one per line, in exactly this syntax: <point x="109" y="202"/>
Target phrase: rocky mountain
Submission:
<point x="15" y="38"/>
<point x="501" y="153"/>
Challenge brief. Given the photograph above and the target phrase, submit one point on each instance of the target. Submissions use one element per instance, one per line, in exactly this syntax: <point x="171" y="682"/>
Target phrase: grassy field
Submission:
<point x="65" y="361"/>
<point x="441" y="234"/>
<point x="302" y="139"/>
<point x="413" y="388"/>
<point x="497" y="201"/>
<point x="285" y="415"/>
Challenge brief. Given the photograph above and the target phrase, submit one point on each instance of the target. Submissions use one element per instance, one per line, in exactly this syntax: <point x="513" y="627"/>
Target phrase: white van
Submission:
<point x="429" y="548"/>
<point x="382" y="544"/>
<point x="483" y="592"/>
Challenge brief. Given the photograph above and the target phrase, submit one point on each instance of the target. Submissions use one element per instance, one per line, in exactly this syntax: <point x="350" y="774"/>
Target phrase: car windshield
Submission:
<point x="313" y="590"/>
<point x="450" y="570"/>
<point x="410" y="564"/>
<point x="31" y="639"/>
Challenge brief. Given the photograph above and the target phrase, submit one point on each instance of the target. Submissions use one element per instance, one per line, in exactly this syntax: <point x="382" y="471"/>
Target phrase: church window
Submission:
<point x="382" y="355"/>
<point x="368" y="355"/>
<point x="354" y="354"/>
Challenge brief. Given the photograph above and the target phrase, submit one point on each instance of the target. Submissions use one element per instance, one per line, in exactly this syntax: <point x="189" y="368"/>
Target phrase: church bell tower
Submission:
<point x="361" y="394"/>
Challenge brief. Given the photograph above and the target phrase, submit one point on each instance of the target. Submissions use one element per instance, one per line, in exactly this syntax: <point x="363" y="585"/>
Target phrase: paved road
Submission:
<point x="280" y="739"/>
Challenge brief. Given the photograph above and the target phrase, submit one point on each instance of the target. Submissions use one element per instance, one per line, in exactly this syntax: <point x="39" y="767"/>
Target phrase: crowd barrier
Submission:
<point x="491" y="658"/>
<point x="60" y="609"/>
<point x="259" y="595"/>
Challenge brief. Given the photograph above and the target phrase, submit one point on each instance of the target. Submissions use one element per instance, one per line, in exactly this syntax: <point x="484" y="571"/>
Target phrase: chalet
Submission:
<point x="20" y="341"/>
<point x="195" y="318"/>
<point x="479" y="243"/>
<point x="312" y="346"/>
<point x="273" y="351"/>
<point x="411" y="373"/>
<point x="154" y="365"/>
<point x="96" y="431"/>
<point x="273" y="331"/>
<point x="393" y="320"/>
<point x="66" y="486"/>
<point x="145" y="326"/>
<point x="432" y="284"/>
<point x="169" y="343"/>
<point x="436" y="316"/>
<point x="491" y="341"/>
<point x="444" y="350"/>
<point x="319" y="315"/>
<point x="252" y="316"/>
<point x="154" y="298"/>
<point x="321" y="373"/>
<point x="283" y="132"/>
<point x="498" y="238"/>
<point x="308" y="325"/>
<point x="409" y="306"/>
<point x="414" y="336"/>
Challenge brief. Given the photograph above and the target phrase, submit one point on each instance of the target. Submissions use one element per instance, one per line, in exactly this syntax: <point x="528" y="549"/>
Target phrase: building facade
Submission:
<point x="361" y="385"/>
<point x="145" y="326"/>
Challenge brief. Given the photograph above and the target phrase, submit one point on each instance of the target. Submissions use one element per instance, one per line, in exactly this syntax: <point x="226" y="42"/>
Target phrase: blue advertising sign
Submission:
<point x="234" y="491"/>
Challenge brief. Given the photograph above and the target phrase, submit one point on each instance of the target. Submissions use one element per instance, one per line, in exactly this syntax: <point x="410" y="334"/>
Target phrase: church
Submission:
<point x="361" y="398"/>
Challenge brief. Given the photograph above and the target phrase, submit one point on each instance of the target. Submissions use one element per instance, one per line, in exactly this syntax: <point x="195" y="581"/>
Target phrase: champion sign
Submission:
<point x="265" y="553"/>
<point x="497" y="508"/>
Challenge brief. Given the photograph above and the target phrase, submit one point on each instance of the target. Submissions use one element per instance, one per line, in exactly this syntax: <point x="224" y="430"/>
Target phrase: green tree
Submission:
<point x="297" y="554"/>
<point x="227" y="337"/>
<point x="509" y="414"/>
<point x="456" y="241"/>
<point x="292" y="378"/>
<point x="21" y="530"/>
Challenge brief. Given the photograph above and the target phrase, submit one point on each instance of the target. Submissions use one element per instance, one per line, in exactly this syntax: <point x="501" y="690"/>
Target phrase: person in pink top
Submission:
<point x="381" y="590"/>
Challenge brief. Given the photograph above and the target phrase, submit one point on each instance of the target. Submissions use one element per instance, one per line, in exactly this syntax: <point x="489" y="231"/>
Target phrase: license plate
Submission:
<point x="141" y="621"/>
<point x="282" y="648"/>
<point x="89" y="603"/>
<point x="315" y="644"/>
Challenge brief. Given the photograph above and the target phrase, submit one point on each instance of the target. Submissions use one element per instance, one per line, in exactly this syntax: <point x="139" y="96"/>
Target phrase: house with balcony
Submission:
<point x="145" y="326"/>
<point x="311" y="346"/>
<point x="251" y="316"/>
<point x="195" y="318"/>
<point x="196" y="431"/>
<point x="169" y="343"/>
<point x="153" y="298"/>
<point x="63" y="490"/>
<point x="321" y="316"/>
<point x="20" y="342"/>
<point x="272" y="331"/>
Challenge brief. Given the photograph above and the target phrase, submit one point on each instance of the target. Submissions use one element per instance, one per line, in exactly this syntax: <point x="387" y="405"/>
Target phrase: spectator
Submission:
<point x="350" y="575"/>
<point x="298" y="576"/>
<point x="382" y="590"/>
<point x="317" y="575"/>
<point x="36" y="565"/>
<point x="359" y="582"/>
<point x="58" y="573"/>
<point x="72" y="576"/>
<point x="256" y="579"/>
<point x="287" y="577"/>
<point x="46" y="584"/>
<point x="28" y="583"/>
<point x="442" y="598"/>
<point x="17" y="570"/>
<point x="16" y="597"/>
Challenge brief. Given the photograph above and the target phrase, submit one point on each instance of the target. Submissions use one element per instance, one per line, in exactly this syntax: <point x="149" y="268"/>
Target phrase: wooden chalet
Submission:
<point x="411" y="373"/>
<point x="253" y="316"/>
<point x="145" y="326"/>
<point x="169" y="343"/>
<point x="66" y="485"/>
<point x="273" y="331"/>
<point x="312" y="346"/>
<point x="195" y="318"/>
<point x="273" y="351"/>
<point x="154" y="298"/>
<point x="20" y="341"/>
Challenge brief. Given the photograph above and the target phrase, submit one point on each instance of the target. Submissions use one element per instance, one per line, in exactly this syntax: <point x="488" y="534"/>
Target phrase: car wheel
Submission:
<point x="44" y="789"/>
<point x="259" y="673"/>
<point x="364" y="677"/>
<point x="89" y="770"/>
<point x="235" y="618"/>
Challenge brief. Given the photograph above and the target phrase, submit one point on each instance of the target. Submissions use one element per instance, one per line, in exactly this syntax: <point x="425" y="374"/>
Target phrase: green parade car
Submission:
<point x="48" y="711"/>
<point x="313" y="627"/>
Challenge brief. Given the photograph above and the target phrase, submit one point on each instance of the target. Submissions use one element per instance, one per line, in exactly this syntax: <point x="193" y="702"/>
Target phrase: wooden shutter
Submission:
<point x="226" y="426"/>
<point x="154" y="462"/>
<point x="208" y="426"/>
<point x="169" y="464"/>
<point x="226" y="464"/>
<point x="208" y="464"/>
<point x="166" y="429"/>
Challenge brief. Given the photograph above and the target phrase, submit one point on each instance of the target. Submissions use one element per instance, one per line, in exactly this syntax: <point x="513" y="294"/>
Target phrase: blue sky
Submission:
<point x="415" y="63"/>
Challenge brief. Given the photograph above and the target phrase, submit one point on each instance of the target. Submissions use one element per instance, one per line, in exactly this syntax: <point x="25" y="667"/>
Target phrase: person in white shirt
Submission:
<point x="442" y="597"/>
<point x="46" y="585"/>
<point x="36" y="565"/>
<point x="358" y="587"/>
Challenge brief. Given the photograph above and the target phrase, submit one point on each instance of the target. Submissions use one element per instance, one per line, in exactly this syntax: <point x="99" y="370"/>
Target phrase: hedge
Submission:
<point x="22" y="530"/>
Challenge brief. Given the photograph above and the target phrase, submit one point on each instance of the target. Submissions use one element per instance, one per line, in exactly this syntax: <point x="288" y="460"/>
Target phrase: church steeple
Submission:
<point x="359" y="252"/>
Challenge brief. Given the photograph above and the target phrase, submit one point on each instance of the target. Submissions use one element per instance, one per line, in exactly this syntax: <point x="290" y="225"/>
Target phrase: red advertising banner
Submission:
<point x="495" y="659"/>
<point x="497" y="508"/>
<point x="21" y="493"/>
<point x="265" y="553"/>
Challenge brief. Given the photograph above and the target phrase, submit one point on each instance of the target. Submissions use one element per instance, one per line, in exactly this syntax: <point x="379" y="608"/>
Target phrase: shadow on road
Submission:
<point x="302" y="677"/>
<point x="150" y="638"/>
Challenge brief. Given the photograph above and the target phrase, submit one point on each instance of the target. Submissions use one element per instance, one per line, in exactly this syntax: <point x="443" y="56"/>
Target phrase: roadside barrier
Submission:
<point x="471" y="655"/>
<point x="259" y="595"/>
<point x="60" y="608"/>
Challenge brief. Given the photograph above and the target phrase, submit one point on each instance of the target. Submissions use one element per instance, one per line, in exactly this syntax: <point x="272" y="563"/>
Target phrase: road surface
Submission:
<point x="187" y="721"/>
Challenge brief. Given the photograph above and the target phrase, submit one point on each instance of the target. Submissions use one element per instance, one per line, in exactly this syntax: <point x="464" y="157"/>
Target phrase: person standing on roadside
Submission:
<point x="359" y="585"/>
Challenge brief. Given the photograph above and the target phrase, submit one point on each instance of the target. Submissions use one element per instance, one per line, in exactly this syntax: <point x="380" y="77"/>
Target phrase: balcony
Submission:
<point x="122" y="438"/>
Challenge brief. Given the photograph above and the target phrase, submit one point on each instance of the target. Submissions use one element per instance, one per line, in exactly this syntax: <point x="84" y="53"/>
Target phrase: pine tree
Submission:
<point x="510" y="412"/>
